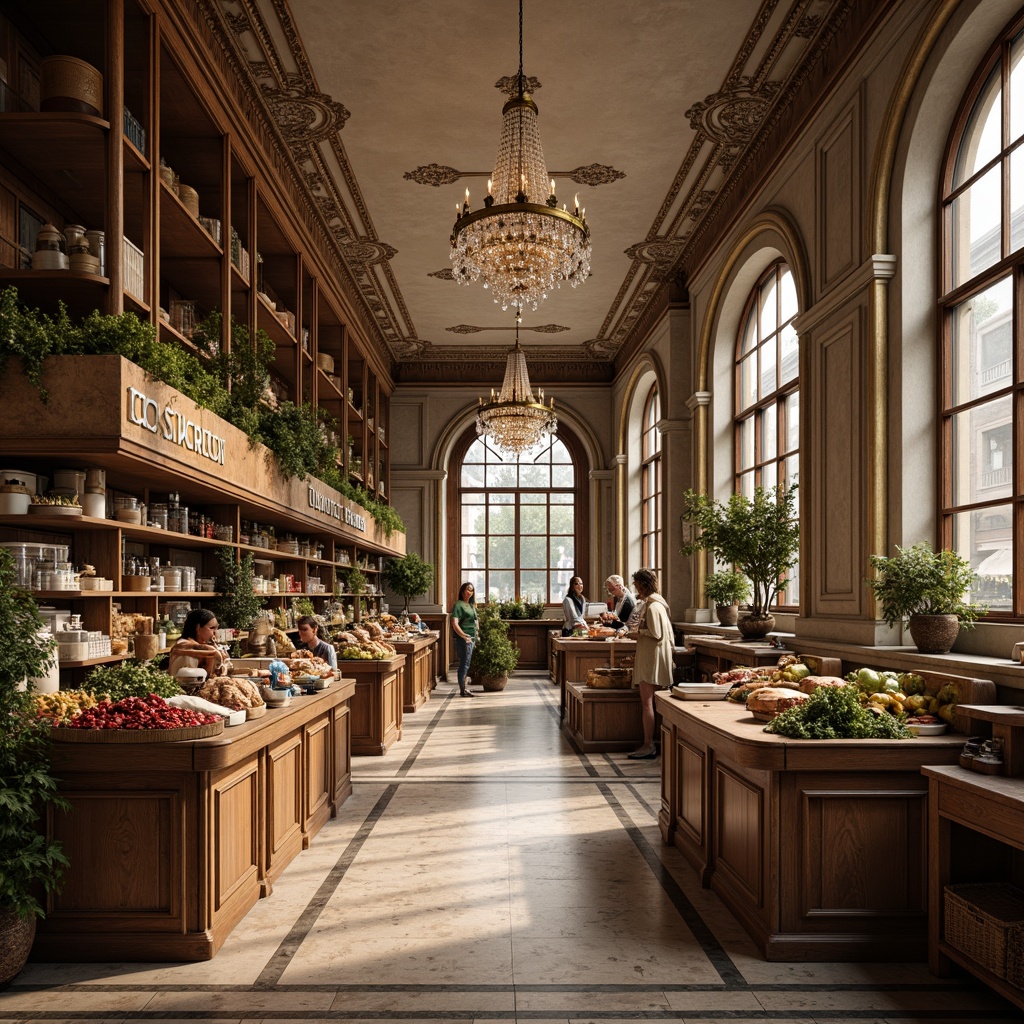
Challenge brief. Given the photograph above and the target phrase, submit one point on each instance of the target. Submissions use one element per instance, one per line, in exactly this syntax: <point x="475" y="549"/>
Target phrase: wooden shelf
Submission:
<point x="181" y="234"/>
<point x="108" y="659"/>
<point x="78" y="290"/>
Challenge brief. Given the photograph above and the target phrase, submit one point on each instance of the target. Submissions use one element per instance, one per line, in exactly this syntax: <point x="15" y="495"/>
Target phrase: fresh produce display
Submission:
<point x="130" y="679"/>
<point x="836" y="713"/>
<point x="357" y="644"/>
<point x="906" y="693"/>
<point x="231" y="692"/>
<point x="64" y="705"/>
<point x="767" y="702"/>
<point x="151" y="712"/>
<point x="310" y="666"/>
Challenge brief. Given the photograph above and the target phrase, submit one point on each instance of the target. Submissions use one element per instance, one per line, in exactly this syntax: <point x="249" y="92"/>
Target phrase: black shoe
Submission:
<point x="467" y="693"/>
<point x="644" y="754"/>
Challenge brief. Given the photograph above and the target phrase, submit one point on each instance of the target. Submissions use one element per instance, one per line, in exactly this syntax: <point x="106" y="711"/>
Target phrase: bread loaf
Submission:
<point x="231" y="692"/>
<point x="810" y="683"/>
<point x="769" y="701"/>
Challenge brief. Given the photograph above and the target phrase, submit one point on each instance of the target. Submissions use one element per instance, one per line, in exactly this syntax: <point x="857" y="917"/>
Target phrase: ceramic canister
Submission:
<point x="67" y="83"/>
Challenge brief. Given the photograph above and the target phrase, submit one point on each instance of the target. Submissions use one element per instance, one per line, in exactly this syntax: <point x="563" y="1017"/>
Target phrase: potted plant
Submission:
<point x="760" y="536"/>
<point x="928" y="588"/>
<point x="494" y="655"/>
<point x="409" y="576"/>
<point x="726" y="589"/>
<point x="29" y="864"/>
<point x="238" y="605"/>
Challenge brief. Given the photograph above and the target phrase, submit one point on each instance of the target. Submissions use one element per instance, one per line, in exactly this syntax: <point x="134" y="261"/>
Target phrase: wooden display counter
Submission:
<point x="719" y="654"/>
<point x="171" y="844"/>
<point x="573" y="658"/>
<point x="377" y="704"/>
<point x="818" y="847"/>
<point x="418" y="674"/>
<point x="531" y="637"/>
<point x="600" y="719"/>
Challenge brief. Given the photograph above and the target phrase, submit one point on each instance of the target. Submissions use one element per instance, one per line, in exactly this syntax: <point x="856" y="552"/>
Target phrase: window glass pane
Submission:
<point x="981" y="462"/>
<point x="533" y="553"/>
<point x="745" y="485"/>
<point x="474" y="576"/>
<point x="535" y="476"/>
<point x="500" y="586"/>
<point x="787" y="295"/>
<point x="746" y="443"/>
<point x="471" y="548"/>
<point x="556" y="587"/>
<point x="769" y="433"/>
<point x="562" y="554"/>
<point x="976" y="217"/>
<point x="792" y="417"/>
<point x="474" y="518"/>
<point x="562" y="476"/>
<point x="502" y="476"/>
<point x="533" y="498"/>
<point x="981" y="141"/>
<point x="501" y="519"/>
<point x="476" y="452"/>
<point x="563" y="519"/>
<point x="749" y="334"/>
<point x="473" y="475"/>
<point x="533" y="586"/>
<point x="748" y="382"/>
<point x="1016" y="200"/>
<point x="533" y="519"/>
<point x="768" y="308"/>
<point x="790" y="368"/>
<point x="791" y="467"/>
<point x="559" y="453"/>
<point x="501" y="553"/>
<point x="982" y="343"/>
<point x="769" y="475"/>
<point x="768" y="379"/>
<point x="1016" y="89"/>
<point x="985" y="538"/>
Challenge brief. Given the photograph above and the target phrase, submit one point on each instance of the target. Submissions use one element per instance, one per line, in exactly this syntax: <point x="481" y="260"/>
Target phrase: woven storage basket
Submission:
<point x="979" y="918"/>
<point x="193" y="732"/>
<point x="1015" y="956"/>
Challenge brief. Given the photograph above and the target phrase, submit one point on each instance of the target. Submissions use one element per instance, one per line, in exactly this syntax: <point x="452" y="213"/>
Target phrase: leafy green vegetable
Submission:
<point x="130" y="679"/>
<point x="836" y="713"/>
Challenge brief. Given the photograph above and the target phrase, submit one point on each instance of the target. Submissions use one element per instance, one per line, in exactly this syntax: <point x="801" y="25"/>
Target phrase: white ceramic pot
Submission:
<point x="14" y="503"/>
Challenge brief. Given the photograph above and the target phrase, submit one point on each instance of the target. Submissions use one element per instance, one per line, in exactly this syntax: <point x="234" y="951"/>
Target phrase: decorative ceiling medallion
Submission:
<point x="509" y="85"/>
<point x="656" y="250"/>
<point x="540" y="329"/>
<point x="734" y="114"/>
<point x="368" y="252"/>
<point x="304" y="117"/>
<point x="443" y="275"/>
<point x="433" y="174"/>
<point x="594" y="174"/>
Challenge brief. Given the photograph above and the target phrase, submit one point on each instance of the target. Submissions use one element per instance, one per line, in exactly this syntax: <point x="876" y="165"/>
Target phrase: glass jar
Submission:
<point x="158" y="514"/>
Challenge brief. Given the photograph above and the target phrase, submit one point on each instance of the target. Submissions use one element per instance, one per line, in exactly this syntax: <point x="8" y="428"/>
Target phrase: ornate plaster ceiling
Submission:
<point x="649" y="110"/>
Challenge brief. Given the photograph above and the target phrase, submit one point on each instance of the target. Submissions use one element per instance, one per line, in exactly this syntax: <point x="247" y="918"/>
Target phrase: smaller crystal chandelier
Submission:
<point x="514" y="419"/>
<point x="520" y="243"/>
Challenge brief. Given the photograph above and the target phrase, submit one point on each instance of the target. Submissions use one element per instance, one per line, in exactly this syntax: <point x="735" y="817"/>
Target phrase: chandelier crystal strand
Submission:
<point x="520" y="243"/>
<point x="516" y="419"/>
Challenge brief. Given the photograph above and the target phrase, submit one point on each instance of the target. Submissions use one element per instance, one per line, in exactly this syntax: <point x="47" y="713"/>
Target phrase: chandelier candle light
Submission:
<point x="514" y="419"/>
<point x="520" y="243"/>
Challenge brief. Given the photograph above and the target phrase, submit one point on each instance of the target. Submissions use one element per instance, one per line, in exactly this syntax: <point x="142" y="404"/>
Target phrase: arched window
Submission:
<point x="982" y="383"/>
<point x="520" y="525"/>
<point x="767" y="402"/>
<point x="650" y="482"/>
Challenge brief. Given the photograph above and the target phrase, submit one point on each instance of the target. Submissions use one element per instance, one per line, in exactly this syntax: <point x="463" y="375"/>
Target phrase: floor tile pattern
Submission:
<point x="485" y="871"/>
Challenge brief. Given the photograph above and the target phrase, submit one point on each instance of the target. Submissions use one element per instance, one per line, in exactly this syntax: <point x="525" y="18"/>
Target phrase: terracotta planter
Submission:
<point x="492" y="683"/>
<point x="728" y="614"/>
<point x="934" y="634"/>
<point x="16" y="937"/>
<point x="755" y="627"/>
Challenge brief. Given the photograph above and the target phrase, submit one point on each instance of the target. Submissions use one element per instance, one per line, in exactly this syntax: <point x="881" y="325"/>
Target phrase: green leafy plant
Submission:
<point x="493" y="653"/>
<point x="920" y="581"/>
<point x="726" y="587"/>
<point x="759" y="535"/>
<point x="29" y="864"/>
<point x="302" y="606"/>
<point x="534" y="609"/>
<point x="355" y="580"/>
<point x="514" y="609"/>
<point x="238" y="605"/>
<point x="130" y="679"/>
<point x="836" y="713"/>
<point x="409" y="576"/>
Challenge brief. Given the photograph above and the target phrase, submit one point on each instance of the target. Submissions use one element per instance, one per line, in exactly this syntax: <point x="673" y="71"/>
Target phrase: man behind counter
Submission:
<point x="309" y="640"/>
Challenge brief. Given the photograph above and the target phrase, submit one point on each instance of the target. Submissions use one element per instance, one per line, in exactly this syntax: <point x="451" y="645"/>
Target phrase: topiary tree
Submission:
<point x="494" y="655"/>
<point x="409" y="576"/>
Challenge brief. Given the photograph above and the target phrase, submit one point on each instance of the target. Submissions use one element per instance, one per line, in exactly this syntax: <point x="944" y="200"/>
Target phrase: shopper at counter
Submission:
<point x="416" y="624"/>
<point x="573" y="606"/>
<point x="652" y="668"/>
<point x="309" y="640"/>
<point x="464" y="627"/>
<point x="624" y="603"/>
<point x="196" y="647"/>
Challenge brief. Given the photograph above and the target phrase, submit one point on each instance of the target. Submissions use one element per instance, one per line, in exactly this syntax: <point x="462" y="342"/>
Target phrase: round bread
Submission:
<point x="810" y="683"/>
<point x="769" y="701"/>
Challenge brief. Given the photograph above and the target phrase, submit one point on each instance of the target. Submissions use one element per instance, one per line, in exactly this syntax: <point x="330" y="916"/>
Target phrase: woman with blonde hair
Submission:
<point x="655" y="643"/>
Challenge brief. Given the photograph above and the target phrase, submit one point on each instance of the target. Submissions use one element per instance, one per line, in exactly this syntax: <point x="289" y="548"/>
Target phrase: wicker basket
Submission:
<point x="979" y="919"/>
<point x="1015" y="956"/>
<point x="192" y="732"/>
<point x="257" y="712"/>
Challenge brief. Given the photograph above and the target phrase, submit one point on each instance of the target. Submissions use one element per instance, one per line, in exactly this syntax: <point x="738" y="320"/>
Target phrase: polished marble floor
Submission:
<point x="485" y="871"/>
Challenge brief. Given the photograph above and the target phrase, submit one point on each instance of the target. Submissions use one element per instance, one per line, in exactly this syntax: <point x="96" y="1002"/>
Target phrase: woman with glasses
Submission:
<point x="464" y="627"/>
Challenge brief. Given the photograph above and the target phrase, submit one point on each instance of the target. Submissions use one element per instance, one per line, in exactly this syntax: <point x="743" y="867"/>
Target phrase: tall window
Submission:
<point x="650" y="482"/>
<point x="982" y="386"/>
<point x="767" y="420"/>
<point x="518" y="522"/>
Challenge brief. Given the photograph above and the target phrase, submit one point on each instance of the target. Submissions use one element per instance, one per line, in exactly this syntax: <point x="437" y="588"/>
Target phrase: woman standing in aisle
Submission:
<point x="464" y="626"/>
<point x="655" y="641"/>
<point x="573" y="607"/>
<point x="624" y="603"/>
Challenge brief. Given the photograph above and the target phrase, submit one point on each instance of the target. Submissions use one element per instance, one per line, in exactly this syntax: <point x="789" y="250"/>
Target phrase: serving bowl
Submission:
<point x="927" y="729"/>
<point x="699" y="691"/>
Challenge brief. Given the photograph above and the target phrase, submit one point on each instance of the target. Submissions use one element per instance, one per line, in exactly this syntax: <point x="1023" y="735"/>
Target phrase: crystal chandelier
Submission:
<point x="514" y="419"/>
<point x="520" y="243"/>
